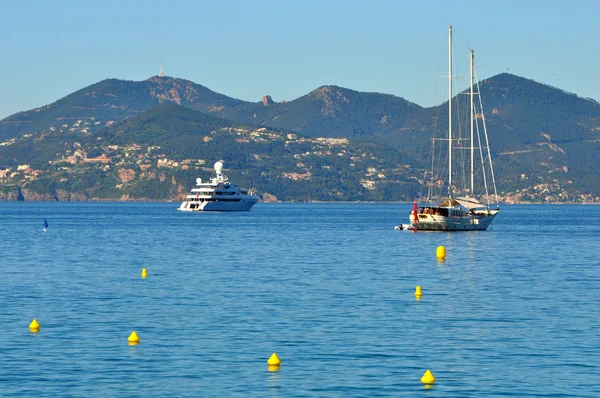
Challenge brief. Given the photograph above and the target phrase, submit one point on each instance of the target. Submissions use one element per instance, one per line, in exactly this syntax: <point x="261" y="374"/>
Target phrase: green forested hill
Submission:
<point x="110" y="101"/>
<point x="161" y="125"/>
<point x="332" y="111"/>
<point x="542" y="132"/>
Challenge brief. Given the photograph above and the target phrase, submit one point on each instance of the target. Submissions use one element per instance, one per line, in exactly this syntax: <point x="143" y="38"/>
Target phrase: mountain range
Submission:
<point x="544" y="140"/>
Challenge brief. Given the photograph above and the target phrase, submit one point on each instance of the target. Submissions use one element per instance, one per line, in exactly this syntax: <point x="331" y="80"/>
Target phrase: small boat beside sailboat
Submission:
<point x="459" y="209"/>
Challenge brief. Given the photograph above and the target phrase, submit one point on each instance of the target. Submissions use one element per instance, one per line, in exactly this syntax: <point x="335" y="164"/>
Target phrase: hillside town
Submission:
<point x="136" y="161"/>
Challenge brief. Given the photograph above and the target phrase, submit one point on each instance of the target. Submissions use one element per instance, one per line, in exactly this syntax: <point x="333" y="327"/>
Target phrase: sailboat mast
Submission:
<point x="472" y="105"/>
<point x="450" y="111"/>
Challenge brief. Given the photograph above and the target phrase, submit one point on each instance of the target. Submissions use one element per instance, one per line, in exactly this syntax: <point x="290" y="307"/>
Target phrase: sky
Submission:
<point x="286" y="49"/>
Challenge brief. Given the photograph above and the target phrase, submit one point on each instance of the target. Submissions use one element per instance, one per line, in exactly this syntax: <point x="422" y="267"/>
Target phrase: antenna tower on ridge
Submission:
<point x="161" y="68"/>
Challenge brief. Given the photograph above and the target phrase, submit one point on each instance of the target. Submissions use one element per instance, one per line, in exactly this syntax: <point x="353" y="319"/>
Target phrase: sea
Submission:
<point x="511" y="311"/>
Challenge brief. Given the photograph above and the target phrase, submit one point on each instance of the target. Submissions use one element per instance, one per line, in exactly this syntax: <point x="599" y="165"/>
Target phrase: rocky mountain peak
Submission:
<point x="267" y="100"/>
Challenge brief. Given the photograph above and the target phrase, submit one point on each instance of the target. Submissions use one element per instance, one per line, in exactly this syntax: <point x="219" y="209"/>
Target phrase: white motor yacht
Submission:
<point x="218" y="194"/>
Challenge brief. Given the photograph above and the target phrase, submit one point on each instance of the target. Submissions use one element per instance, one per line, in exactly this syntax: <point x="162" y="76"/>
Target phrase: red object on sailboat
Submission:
<point x="415" y="211"/>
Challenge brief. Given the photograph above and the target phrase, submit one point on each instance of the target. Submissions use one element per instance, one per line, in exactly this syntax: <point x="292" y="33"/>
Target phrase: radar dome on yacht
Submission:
<point x="198" y="181"/>
<point x="219" y="167"/>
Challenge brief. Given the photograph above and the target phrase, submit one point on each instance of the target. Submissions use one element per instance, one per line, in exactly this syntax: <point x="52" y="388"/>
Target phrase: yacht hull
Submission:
<point x="244" y="204"/>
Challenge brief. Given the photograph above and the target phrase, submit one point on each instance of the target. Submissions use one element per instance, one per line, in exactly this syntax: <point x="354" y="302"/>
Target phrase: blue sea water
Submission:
<point x="512" y="311"/>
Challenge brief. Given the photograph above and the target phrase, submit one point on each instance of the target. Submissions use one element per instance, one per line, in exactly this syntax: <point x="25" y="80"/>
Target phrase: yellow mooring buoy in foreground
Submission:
<point x="34" y="326"/>
<point x="440" y="253"/>
<point x="428" y="377"/>
<point x="144" y="273"/>
<point x="133" y="338"/>
<point x="274" y="360"/>
<point x="418" y="293"/>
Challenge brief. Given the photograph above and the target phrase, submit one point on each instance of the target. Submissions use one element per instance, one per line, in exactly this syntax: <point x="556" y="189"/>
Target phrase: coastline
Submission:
<point x="147" y="200"/>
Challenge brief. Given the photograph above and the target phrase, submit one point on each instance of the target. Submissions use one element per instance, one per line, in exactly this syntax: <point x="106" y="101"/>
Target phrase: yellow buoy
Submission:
<point x="440" y="253"/>
<point x="428" y="377"/>
<point x="144" y="273"/>
<point x="133" y="338"/>
<point x="418" y="292"/>
<point x="34" y="326"/>
<point x="274" y="360"/>
<point x="273" y="368"/>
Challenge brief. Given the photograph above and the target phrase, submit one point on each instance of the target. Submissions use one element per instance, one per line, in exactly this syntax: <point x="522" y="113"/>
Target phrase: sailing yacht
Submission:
<point x="459" y="209"/>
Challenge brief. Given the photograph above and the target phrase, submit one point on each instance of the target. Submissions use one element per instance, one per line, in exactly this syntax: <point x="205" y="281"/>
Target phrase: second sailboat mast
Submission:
<point x="450" y="111"/>
<point x="472" y="106"/>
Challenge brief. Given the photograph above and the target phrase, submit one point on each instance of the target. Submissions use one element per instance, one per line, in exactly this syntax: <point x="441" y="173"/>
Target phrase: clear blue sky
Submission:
<point x="246" y="49"/>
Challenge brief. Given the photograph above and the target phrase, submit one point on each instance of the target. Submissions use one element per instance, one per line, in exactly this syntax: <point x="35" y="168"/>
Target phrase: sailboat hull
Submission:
<point x="430" y="222"/>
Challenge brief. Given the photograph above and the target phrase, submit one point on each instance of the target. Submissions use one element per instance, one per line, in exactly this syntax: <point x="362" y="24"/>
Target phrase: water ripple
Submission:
<point x="510" y="312"/>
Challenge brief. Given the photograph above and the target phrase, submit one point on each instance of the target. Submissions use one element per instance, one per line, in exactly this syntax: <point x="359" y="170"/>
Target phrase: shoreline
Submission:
<point x="96" y="200"/>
